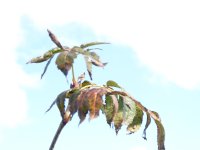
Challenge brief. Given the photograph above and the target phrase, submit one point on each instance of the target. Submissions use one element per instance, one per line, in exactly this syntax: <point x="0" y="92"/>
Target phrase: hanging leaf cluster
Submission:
<point x="118" y="107"/>
<point x="66" y="57"/>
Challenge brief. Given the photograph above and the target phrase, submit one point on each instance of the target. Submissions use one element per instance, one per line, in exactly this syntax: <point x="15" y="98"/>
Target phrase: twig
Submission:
<point x="61" y="126"/>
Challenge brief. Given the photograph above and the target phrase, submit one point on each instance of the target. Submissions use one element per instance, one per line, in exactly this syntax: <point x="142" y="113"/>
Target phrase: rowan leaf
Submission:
<point x="137" y="121"/>
<point x="112" y="83"/>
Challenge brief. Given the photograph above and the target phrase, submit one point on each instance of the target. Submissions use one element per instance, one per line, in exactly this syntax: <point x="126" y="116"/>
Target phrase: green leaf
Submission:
<point x="110" y="108"/>
<point x="86" y="83"/>
<point x="137" y="121"/>
<point x="45" y="56"/>
<point x="129" y="110"/>
<point x="89" y="66"/>
<point x="112" y="84"/>
<point x="92" y="44"/>
<point x="118" y="118"/>
<point x="60" y="101"/>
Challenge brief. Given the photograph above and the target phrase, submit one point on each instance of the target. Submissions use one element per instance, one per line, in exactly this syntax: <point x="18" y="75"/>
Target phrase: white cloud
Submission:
<point x="13" y="108"/>
<point x="164" y="34"/>
<point x="139" y="148"/>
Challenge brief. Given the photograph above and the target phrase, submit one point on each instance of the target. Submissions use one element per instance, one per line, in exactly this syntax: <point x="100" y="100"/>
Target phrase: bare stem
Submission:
<point x="61" y="126"/>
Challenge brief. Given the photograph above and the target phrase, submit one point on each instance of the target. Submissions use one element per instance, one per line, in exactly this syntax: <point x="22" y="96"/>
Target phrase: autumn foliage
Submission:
<point x="87" y="98"/>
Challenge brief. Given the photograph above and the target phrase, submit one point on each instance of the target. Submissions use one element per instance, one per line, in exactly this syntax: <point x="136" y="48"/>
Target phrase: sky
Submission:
<point x="154" y="54"/>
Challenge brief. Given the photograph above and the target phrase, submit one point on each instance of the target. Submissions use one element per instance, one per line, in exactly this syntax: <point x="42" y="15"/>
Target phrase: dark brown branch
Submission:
<point x="61" y="126"/>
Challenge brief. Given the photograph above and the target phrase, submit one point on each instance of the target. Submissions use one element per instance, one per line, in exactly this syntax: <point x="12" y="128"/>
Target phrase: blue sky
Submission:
<point x="154" y="55"/>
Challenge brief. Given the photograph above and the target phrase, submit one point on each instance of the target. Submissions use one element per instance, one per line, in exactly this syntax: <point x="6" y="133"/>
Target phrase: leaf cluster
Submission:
<point x="66" y="57"/>
<point x="89" y="99"/>
<point x="118" y="107"/>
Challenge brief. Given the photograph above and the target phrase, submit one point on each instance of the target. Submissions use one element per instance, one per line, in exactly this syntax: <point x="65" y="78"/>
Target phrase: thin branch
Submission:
<point x="61" y="126"/>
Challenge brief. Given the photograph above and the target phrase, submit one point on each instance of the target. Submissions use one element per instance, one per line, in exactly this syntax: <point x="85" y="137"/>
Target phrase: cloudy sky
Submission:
<point x="155" y="47"/>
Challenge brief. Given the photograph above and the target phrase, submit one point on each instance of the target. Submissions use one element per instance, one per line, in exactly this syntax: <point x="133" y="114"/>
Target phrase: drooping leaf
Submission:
<point x="160" y="133"/>
<point x="92" y="44"/>
<point x="148" y="121"/>
<point x="65" y="60"/>
<point x="89" y="66"/>
<point x="137" y="121"/>
<point x="129" y="110"/>
<point x="82" y="106"/>
<point x="94" y="101"/>
<point x="110" y="108"/>
<point x="60" y="101"/>
<point x="45" y="69"/>
<point x="118" y="118"/>
<point x="112" y="83"/>
<point x="72" y="103"/>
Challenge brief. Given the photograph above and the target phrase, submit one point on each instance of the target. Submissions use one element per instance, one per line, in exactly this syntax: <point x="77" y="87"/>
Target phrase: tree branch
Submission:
<point x="61" y="126"/>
